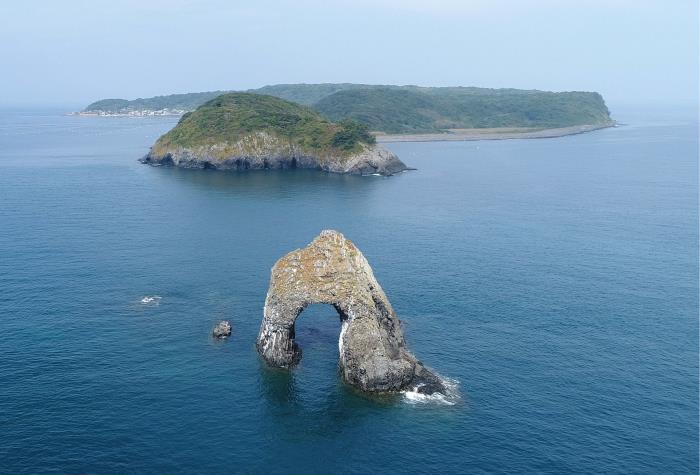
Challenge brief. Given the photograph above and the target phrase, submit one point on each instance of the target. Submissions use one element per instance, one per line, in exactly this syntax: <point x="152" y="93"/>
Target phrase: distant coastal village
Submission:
<point x="132" y="113"/>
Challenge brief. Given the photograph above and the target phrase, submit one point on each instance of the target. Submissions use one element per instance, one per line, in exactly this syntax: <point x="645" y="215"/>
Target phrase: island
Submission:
<point x="372" y="350"/>
<point x="400" y="113"/>
<point x="245" y="131"/>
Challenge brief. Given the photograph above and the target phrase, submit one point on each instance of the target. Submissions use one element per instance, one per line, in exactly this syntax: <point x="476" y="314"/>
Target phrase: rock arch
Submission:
<point x="331" y="270"/>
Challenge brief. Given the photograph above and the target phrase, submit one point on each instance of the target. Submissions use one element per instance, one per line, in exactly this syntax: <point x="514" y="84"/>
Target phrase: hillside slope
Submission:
<point x="408" y="109"/>
<point x="243" y="131"/>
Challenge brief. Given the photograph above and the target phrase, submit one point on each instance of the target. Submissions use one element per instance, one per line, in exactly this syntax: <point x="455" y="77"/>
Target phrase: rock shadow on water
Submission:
<point x="278" y="386"/>
<point x="273" y="183"/>
<point x="333" y="412"/>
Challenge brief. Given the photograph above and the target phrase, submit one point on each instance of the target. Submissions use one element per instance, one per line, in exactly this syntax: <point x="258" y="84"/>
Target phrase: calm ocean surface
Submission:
<point x="556" y="280"/>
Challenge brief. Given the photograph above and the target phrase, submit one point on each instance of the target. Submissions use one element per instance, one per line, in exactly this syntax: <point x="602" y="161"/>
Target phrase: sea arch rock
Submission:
<point x="331" y="270"/>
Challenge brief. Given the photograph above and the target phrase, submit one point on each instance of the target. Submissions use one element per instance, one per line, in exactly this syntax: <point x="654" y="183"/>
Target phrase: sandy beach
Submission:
<point x="491" y="134"/>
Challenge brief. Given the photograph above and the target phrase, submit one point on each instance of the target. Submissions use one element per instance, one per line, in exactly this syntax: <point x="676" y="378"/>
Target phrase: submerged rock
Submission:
<point x="331" y="270"/>
<point x="222" y="329"/>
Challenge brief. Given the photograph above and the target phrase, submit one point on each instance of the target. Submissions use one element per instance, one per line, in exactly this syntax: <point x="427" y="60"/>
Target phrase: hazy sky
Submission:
<point x="74" y="52"/>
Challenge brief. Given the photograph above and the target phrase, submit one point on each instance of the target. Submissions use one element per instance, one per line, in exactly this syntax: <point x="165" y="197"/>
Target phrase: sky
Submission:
<point x="73" y="52"/>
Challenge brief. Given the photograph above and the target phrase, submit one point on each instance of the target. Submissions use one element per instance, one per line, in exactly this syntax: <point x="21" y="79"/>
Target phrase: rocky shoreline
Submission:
<point x="371" y="160"/>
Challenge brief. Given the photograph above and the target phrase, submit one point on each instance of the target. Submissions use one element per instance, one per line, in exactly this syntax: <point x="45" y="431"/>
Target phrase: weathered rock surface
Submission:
<point x="331" y="270"/>
<point x="264" y="151"/>
<point x="222" y="329"/>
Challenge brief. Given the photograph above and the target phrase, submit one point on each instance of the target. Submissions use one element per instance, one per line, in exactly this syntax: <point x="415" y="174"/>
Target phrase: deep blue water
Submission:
<point x="556" y="280"/>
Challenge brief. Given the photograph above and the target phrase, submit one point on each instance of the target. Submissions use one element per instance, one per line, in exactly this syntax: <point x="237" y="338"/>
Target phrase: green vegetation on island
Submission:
<point x="409" y="109"/>
<point x="412" y="110"/>
<point x="232" y="117"/>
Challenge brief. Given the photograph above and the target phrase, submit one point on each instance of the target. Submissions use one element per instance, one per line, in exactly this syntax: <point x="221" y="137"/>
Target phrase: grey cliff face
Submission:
<point x="262" y="151"/>
<point x="331" y="270"/>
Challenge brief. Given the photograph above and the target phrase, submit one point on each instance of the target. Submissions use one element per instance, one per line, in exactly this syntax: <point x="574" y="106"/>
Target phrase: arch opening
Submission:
<point x="317" y="332"/>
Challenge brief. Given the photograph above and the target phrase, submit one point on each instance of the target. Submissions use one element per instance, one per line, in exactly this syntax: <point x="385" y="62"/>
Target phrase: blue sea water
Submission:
<point x="556" y="280"/>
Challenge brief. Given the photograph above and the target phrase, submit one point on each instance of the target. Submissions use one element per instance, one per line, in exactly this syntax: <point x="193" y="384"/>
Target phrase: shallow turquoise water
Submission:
<point x="555" y="280"/>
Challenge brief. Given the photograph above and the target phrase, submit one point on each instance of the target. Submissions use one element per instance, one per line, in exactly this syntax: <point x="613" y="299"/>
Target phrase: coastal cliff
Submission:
<point x="242" y="131"/>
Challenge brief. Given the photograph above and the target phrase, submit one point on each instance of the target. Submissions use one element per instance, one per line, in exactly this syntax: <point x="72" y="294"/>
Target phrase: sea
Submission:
<point x="553" y="283"/>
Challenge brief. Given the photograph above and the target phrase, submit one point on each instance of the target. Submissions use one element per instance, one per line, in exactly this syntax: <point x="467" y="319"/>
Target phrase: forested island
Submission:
<point x="408" y="109"/>
<point x="244" y="131"/>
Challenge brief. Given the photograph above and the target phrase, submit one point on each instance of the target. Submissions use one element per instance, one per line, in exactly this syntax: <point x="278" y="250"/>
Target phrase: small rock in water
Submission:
<point x="222" y="329"/>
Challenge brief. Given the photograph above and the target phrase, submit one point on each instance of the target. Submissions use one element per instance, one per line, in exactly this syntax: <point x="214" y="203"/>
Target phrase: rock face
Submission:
<point x="263" y="151"/>
<point x="222" y="329"/>
<point x="331" y="270"/>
